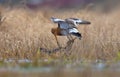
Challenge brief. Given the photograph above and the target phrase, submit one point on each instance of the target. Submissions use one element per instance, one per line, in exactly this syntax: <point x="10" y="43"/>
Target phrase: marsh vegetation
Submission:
<point x="24" y="32"/>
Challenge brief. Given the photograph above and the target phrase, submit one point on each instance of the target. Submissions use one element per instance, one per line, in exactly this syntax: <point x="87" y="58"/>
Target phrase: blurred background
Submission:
<point x="33" y="4"/>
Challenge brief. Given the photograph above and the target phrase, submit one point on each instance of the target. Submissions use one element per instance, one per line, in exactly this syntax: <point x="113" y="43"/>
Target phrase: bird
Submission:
<point x="67" y="27"/>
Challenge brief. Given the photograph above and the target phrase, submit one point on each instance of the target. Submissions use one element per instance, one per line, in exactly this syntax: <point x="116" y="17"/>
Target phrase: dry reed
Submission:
<point x="24" y="31"/>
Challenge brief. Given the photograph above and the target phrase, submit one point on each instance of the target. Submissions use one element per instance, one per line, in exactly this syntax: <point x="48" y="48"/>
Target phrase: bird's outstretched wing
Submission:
<point x="62" y="24"/>
<point x="56" y="20"/>
<point x="76" y="21"/>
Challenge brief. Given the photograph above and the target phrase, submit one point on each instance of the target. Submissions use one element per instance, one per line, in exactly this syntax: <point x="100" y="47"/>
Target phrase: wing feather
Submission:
<point x="77" y="21"/>
<point x="56" y="20"/>
<point x="73" y="30"/>
<point x="61" y="23"/>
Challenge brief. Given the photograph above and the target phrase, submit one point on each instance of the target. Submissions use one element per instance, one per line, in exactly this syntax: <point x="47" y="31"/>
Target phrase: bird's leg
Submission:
<point x="73" y="39"/>
<point x="57" y="41"/>
<point x="70" y="42"/>
<point x="69" y="45"/>
<point x="55" y="32"/>
<point x="70" y="39"/>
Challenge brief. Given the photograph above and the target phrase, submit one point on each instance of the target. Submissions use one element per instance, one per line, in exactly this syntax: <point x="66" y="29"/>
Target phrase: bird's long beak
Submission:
<point x="84" y="22"/>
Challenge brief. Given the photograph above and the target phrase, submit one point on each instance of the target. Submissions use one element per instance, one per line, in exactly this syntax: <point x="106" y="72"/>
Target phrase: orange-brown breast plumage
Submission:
<point x="56" y="31"/>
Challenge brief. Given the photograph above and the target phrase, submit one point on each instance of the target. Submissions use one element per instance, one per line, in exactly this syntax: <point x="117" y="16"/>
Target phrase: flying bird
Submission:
<point x="67" y="27"/>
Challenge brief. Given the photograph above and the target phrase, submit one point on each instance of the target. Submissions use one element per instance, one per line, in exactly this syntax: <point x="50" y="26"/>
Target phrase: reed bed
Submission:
<point x="24" y="32"/>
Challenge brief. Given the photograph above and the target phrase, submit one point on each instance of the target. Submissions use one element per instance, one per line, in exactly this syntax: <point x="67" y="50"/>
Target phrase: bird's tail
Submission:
<point x="77" y="35"/>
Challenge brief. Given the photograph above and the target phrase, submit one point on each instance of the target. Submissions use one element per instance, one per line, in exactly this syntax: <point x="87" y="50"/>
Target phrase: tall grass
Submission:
<point x="25" y="31"/>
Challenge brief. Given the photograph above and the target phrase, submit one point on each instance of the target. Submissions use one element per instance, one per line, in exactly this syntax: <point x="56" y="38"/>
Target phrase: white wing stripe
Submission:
<point x="56" y="20"/>
<point x="74" y="30"/>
